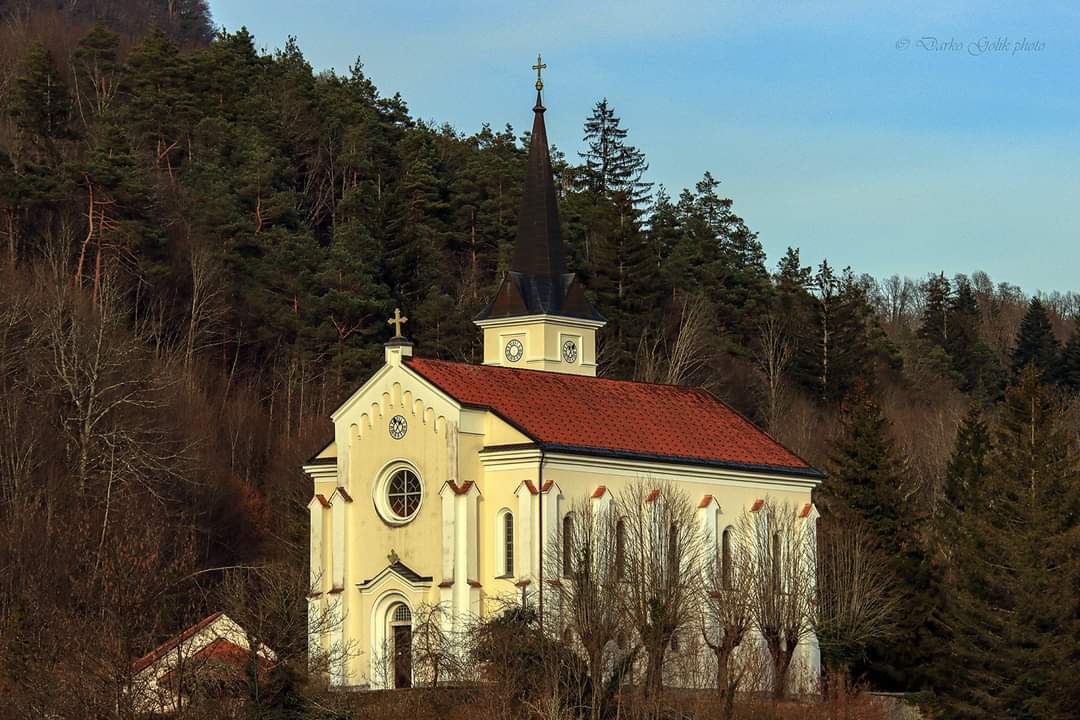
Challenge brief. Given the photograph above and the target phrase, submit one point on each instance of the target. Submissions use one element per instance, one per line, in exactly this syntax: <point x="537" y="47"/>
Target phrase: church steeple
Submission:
<point x="543" y="318"/>
<point x="538" y="248"/>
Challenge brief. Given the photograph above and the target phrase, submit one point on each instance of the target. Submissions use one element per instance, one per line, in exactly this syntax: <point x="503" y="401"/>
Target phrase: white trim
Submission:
<point x="361" y="391"/>
<point x="543" y="317"/>
<point x="338" y="528"/>
<point x="317" y="513"/>
<point x="378" y="377"/>
<point x="323" y="472"/>
<point x="523" y="458"/>
<point x="527" y="555"/>
<point x="381" y="485"/>
<point x="339" y="669"/>
<point x="372" y="586"/>
<point x="379" y="622"/>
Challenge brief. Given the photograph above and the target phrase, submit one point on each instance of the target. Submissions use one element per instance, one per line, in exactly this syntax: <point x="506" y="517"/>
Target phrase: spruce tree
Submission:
<point x="612" y="166"/>
<point x="1035" y="342"/>
<point x="965" y="476"/>
<point x="1017" y="610"/>
<point x="866" y="476"/>
<point x="935" y="317"/>
<point x="1067" y="372"/>
<point x="973" y="363"/>
<point x="865" y="469"/>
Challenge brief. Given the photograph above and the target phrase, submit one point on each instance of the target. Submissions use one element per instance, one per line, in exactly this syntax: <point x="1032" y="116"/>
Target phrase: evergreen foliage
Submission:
<point x="866" y="484"/>
<point x="198" y="193"/>
<point x="1017" y="563"/>
<point x="1068" y="366"/>
<point x="1035" y="344"/>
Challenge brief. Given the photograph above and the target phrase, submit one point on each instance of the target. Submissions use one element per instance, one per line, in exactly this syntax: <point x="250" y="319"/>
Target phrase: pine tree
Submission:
<point x="935" y="318"/>
<point x="1035" y="342"/>
<point x="1067" y="372"/>
<point x="160" y="109"/>
<point x="1018" y="567"/>
<point x="40" y="103"/>
<point x="973" y="362"/>
<point x="98" y="72"/>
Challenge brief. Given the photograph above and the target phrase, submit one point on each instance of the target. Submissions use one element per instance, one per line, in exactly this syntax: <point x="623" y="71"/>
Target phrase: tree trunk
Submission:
<point x="12" y="244"/>
<point x="654" y="670"/>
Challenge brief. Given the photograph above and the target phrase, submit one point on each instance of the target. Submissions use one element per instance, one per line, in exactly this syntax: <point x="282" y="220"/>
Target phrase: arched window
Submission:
<point x="508" y="544"/>
<point x="725" y="558"/>
<point x="620" y="549"/>
<point x="402" y="615"/>
<point x="567" y="544"/>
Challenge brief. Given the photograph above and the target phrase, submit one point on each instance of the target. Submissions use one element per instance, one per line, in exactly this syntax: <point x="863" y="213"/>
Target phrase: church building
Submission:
<point x="445" y="481"/>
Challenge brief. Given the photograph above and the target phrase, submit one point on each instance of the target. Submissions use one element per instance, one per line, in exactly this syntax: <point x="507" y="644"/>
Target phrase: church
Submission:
<point x="445" y="481"/>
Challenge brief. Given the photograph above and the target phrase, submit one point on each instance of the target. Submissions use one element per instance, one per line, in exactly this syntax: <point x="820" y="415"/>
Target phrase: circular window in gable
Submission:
<point x="399" y="494"/>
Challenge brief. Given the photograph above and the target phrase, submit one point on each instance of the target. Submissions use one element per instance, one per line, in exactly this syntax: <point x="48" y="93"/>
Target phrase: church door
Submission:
<point x="402" y="656"/>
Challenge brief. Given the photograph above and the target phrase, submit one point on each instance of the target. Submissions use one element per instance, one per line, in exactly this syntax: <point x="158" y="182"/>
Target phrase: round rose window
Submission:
<point x="403" y="494"/>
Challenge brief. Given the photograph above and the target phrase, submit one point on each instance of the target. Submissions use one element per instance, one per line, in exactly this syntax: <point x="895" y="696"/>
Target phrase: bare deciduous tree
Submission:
<point x="207" y="306"/>
<point x="662" y="565"/>
<point x="587" y="563"/>
<point x="855" y="598"/>
<point x="271" y="603"/>
<point x="677" y="362"/>
<point x="438" y="654"/>
<point x="772" y="359"/>
<point x="782" y="581"/>
<point x="727" y="611"/>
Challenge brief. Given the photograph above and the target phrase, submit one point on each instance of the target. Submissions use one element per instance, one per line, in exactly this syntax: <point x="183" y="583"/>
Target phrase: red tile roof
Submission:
<point x="160" y="650"/>
<point x="615" y="417"/>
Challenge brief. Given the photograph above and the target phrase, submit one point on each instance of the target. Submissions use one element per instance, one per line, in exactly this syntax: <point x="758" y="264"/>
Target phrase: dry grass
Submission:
<point x="473" y="703"/>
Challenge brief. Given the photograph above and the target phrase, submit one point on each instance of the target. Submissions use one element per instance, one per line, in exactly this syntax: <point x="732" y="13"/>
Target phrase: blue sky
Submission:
<point x="922" y="137"/>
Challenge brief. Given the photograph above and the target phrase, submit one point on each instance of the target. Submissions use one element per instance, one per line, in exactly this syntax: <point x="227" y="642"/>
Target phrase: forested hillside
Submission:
<point x="201" y="245"/>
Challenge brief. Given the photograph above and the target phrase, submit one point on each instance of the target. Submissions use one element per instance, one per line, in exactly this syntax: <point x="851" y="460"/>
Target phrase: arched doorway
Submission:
<point x="400" y="632"/>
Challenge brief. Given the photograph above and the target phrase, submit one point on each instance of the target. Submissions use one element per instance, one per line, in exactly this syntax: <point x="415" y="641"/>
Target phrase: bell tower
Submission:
<point x="540" y="318"/>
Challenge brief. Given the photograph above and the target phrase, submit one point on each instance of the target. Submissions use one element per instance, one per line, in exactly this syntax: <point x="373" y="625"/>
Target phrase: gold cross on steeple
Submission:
<point x="397" y="321"/>
<point x="538" y="67"/>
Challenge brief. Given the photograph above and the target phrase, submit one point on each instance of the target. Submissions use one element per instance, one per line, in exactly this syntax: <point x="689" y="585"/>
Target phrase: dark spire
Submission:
<point x="538" y="249"/>
<point x="537" y="283"/>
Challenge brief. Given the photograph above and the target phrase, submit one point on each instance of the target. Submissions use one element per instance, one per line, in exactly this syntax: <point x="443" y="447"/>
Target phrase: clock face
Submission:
<point x="398" y="427"/>
<point x="569" y="351"/>
<point x="514" y="350"/>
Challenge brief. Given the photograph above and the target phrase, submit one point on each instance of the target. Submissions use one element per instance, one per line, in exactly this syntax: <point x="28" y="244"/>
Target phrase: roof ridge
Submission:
<point x="574" y="376"/>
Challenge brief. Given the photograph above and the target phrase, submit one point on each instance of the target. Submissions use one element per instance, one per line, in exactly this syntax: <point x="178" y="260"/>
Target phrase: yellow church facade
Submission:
<point x="445" y="483"/>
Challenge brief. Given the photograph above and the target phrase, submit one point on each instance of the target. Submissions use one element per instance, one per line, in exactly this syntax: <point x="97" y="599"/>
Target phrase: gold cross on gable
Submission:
<point x="397" y="321"/>
<point x="538" y="67"/>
